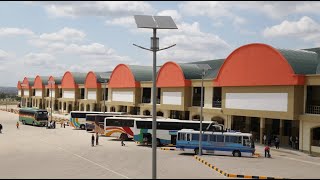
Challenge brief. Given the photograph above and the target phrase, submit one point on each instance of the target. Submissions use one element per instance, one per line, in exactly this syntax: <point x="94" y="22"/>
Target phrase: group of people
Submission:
<point x="294" y="142"/>
<point x="122" y="138"/>
<point x="51" y="125"/>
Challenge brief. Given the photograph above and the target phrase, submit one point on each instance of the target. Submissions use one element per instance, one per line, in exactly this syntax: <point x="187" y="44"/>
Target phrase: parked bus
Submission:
<point x="218" y="143"/>
<point x="140" y="129"/>
<point x="96" y="121"/>
<point x="78" y="118"/>
<point x="119" y="125"/>
<point x="35" y="117"/>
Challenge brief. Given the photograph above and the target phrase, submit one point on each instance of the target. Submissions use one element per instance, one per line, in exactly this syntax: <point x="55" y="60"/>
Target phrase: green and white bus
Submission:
<point x="35" y="117"/>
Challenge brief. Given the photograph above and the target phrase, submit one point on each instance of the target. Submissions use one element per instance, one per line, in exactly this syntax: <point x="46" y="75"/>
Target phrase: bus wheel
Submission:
<point x="196" y="151"/>
<point x="158" y="142"/>
<point x="82" y="127"/>
<point x="237" y="153"/>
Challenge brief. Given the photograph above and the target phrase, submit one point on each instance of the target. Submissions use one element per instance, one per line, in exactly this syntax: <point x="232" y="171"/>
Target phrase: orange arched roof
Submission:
<point x="91" y="81"/>
<point x="171" y="75"/>
<point x="51" y="78"/>
<point x="38" y="83"/>
<point x="68" y="81"/>
<point x="26" y="83"/>
<point x="257" y="65"/>
<point x="19" y="85"/>
<point x="122" y="77"/>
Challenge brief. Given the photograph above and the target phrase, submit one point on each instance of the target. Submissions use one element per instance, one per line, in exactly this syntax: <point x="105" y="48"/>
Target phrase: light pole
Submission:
<point x="51" y="83"/>
<point x="205" y="68"/>
<point x="154" y="22"/>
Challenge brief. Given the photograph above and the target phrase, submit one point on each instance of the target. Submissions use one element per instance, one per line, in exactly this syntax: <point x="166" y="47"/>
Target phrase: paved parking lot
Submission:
<point x="36" y="152"/>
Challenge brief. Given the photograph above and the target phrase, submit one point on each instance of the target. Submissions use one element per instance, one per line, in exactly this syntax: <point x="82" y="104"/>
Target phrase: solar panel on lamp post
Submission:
<point x="154" y="22"/>
<point x="204" y="68"/>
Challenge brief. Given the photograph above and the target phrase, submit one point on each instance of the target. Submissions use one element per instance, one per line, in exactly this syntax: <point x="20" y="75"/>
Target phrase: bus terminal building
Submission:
<point x="257" y="88"/>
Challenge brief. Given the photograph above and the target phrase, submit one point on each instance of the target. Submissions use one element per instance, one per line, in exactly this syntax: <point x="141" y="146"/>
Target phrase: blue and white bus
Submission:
<point x="218" y="143"/>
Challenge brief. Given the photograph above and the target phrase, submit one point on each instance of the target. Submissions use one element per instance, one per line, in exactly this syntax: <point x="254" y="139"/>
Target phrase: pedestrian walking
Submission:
<point x="0" y="128"/>
<point x="97" y="139"/>
<point x="17" y="124"/>
<point x="92" y="140"/>
<point x="122" y="139"/>
<point x="277" y="142"/>
<point x="290" y="141"/>
<point x="297" y="142"/>
<point x="267" y="152"/>
<point x="264" y="139"/>
<point x="64" y="125"/>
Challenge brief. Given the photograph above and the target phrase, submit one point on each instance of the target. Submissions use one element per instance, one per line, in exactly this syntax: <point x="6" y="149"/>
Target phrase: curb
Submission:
<point x="168" y="149"/>
<point x="232" y="175"/>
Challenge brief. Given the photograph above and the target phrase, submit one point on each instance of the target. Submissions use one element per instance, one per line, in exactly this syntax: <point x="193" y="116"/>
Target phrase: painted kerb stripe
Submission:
<point x="232" y="175"/>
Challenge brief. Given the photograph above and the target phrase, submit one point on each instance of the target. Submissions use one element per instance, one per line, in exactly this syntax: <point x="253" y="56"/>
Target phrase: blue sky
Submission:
<point x="49" y="38"/>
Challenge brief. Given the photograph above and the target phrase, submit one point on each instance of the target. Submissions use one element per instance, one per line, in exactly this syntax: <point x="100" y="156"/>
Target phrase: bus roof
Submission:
<point x="159" y="119"/>
<point x="214" y="133"/>
<point x="86" y="112"/>
<point x="31" y="110"/>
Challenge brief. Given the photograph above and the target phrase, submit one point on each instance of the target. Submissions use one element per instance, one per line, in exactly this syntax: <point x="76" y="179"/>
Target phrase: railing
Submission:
<point x="216" y="104"/>
<point x="146" y="100"/>
<point x="313" y="109"/>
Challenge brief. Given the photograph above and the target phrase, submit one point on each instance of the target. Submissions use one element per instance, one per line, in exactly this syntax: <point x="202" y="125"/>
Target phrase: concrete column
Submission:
<point x="262" y="127"/>
<point x="301" y="135"/>
<point x="208" y="97"/>
<point x="128" y="109"/>
<point x="247" y="124"/>
<point x="67" y="107"/>
<point x="91" y="107"/>
<point x="228" y="122"/>
<point x="281" y="131"/>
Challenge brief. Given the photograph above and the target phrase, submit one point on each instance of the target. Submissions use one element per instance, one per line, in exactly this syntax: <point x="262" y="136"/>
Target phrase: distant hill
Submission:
<point x="9" y="90"/>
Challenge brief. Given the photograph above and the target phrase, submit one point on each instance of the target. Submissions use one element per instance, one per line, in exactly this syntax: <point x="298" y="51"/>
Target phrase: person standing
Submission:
<point x="264" y="139"/>
<point x="0" y="128"/>
<point x="277" y="142"/>
<point x="122" y="139"/>
<point x="92" y="140"/>
<point x="17" y="124"/>
<point x="290" y="141"/>
<point x="97" y="139"/>
<point x="297" y="142"/>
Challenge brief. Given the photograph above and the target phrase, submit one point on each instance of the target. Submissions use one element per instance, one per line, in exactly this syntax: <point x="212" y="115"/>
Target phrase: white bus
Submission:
<point x="78" y="118"/>
<point x="140" y="129"/>
<point x="218" y="143"/>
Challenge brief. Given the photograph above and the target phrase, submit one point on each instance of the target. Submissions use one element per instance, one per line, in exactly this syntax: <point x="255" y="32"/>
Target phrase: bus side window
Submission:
<point x="195" y="137"/>
<point x="220" y="138"/>
<point x="188" y="137"/>
<point x="213" y="138"/>
<point x="204" y="137"/>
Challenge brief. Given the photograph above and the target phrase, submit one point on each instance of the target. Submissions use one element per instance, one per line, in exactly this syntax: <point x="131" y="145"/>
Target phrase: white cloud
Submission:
<point x="192" y="44"/>
<point x="97" y="8"/>
<point x="127" y="21"/>
<point x="38" y="59"/>
<point x="65" y="34"/>
<point x="4" y="56"/>
<point x="173" y="13"/>
<point x="306" y="29"/>
<point x="15" y="32"/>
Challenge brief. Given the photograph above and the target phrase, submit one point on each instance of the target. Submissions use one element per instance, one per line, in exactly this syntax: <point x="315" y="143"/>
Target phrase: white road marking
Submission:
<point x="300" y="160"/>
<point x="88" y="160"/>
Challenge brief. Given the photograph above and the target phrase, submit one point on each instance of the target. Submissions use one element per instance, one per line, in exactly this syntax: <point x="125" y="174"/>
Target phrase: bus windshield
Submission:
<point x="42" y="115"/>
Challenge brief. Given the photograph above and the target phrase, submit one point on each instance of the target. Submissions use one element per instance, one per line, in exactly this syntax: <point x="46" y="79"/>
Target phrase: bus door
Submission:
<point x="173" y="135"/>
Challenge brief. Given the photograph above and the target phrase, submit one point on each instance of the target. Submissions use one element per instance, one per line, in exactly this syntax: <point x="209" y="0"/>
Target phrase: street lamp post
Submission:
<point x="154" y="22"/>
<point x="204" y="67"/>
<point x="51" y="83"/>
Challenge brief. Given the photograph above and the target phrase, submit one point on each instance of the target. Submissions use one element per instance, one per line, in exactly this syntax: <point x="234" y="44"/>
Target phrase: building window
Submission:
<point x="82" y="93"/>
<point x="217" y="97"/>
<point x="196" y="96"/>
<point x="146" y="95"/>
<point x="316" y="137"/>
<point x="158" y="95"/>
